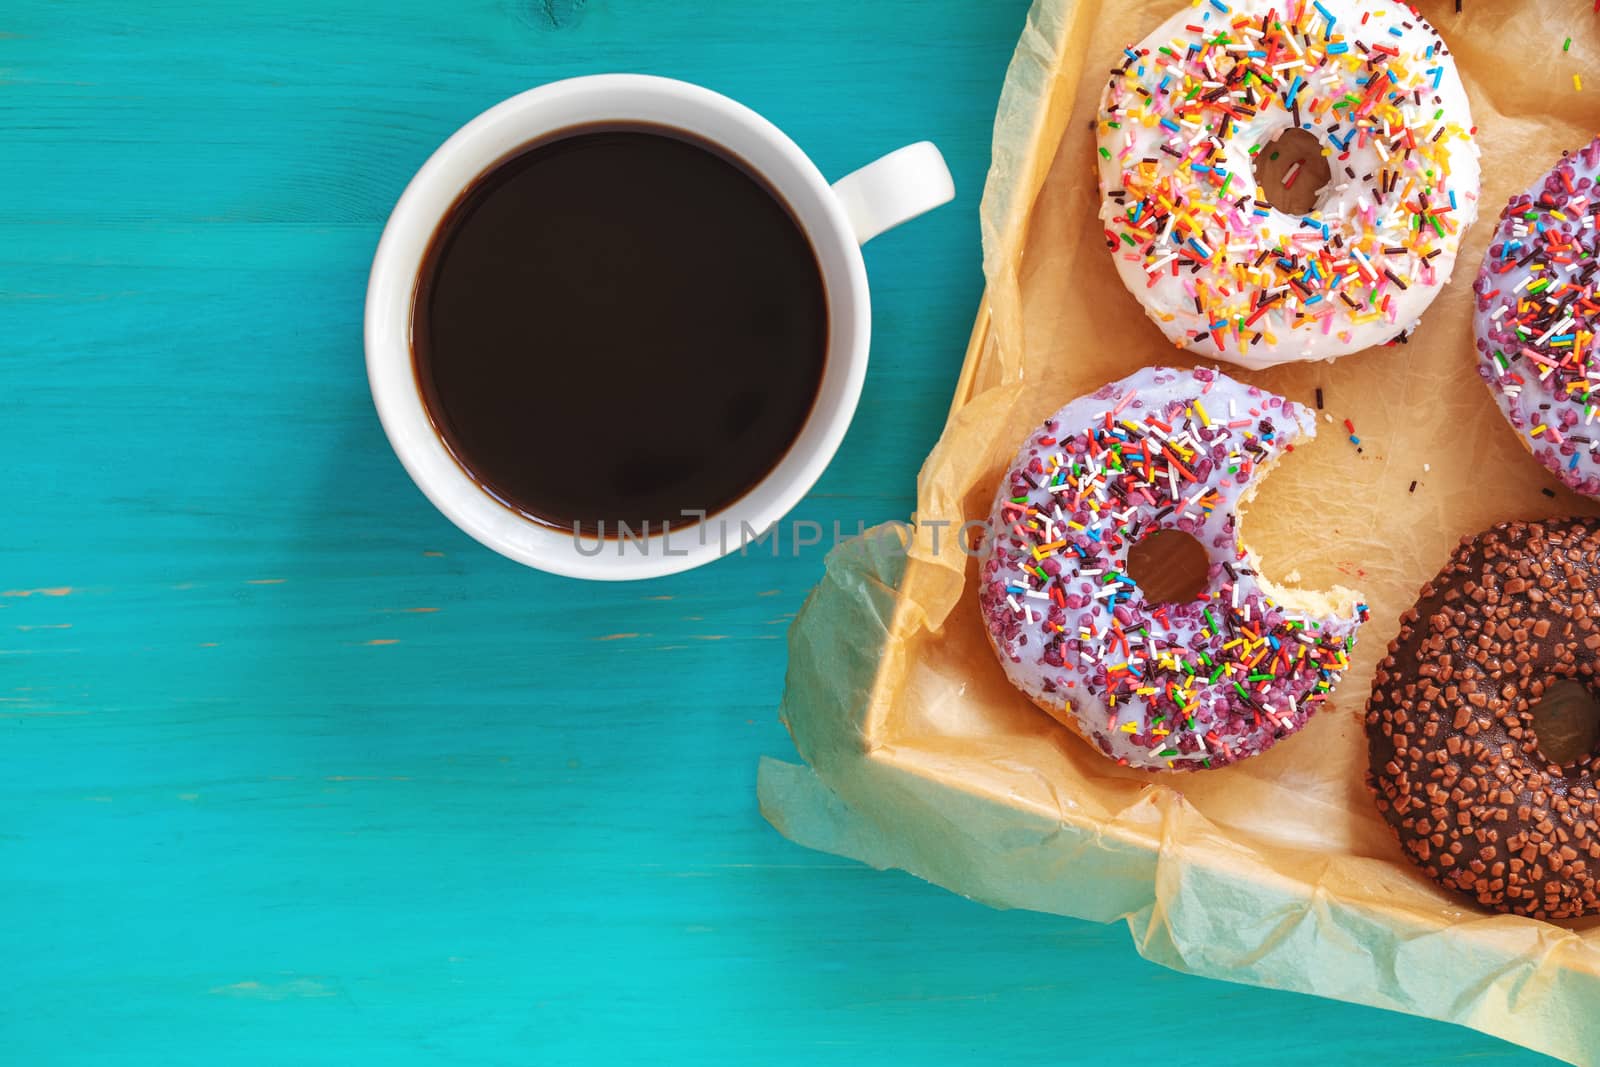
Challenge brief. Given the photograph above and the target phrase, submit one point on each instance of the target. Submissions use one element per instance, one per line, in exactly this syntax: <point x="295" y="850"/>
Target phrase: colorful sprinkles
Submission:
<point x="1538" y="315"/>
<point x="1185" y="685"/>
<point x="1217" y="267"/>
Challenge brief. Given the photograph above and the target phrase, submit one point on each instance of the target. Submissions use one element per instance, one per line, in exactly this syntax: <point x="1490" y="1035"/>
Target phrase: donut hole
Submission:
<point x="1291" y="171"/>
<point x="1566" y="720"/>
<point x="1169" y="566"/>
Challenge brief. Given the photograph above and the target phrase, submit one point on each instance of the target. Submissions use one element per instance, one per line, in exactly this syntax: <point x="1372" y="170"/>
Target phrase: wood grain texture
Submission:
<point x="293" y="772"/>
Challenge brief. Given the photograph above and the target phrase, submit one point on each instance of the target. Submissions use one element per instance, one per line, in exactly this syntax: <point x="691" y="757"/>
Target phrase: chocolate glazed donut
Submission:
<point x="1455" y="764"/>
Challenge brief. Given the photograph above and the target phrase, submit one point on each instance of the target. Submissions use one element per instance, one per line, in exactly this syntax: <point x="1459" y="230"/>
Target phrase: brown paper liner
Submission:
<point x="1277" y="871"/>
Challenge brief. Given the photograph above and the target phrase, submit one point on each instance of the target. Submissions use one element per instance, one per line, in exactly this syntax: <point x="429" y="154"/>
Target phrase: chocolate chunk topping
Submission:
<point x="1455" y="764"/>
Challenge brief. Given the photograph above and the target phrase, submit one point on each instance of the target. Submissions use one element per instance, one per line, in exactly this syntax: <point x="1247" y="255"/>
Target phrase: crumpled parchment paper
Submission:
<point x="1278" y="871"/>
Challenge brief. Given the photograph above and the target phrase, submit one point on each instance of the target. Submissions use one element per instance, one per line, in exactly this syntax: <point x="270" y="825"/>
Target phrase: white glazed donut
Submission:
<point x="1538" y="314"/>
<point x="1184" y="686"/>
<point x="1221" y="271"/>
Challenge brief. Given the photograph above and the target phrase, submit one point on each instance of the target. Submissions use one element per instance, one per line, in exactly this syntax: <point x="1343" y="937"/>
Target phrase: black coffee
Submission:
<point x="619" y="324"/>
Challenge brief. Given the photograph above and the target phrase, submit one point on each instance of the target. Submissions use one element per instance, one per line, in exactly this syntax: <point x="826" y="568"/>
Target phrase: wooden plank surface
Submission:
<point x="293" y="772"/>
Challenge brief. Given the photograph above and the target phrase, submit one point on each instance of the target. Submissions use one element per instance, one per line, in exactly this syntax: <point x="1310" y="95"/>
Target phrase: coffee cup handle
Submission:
<point x="896" y="188"/>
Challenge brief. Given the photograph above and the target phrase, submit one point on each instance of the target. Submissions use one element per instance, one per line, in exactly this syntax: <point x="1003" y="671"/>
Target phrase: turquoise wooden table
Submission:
<point x="291" y="771"/>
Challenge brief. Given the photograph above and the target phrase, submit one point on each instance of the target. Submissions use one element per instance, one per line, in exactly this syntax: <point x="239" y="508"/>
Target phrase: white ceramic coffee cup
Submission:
<point x="837" y="218"/>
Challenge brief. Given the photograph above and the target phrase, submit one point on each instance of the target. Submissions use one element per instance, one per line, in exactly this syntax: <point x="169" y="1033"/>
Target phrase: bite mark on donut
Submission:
<point x="1336" y="600"/>
<point x="1182" y="686"/>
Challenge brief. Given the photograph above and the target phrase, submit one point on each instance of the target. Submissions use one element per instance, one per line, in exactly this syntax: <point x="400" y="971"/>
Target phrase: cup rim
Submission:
<point x="470" y="151"/>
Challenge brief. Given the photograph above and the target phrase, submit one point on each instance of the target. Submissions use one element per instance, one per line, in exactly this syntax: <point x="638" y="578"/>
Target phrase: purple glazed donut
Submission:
<point x="1181" y="686"/>
<point x="1537" y="315"/>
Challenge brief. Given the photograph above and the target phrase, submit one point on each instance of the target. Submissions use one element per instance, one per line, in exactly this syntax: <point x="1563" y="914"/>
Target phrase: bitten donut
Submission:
<point x="1181" y="686"/>
<point x="1537" y="315"/>
<point x="1454" y="762"/>
<point x="1221" y="271"/>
